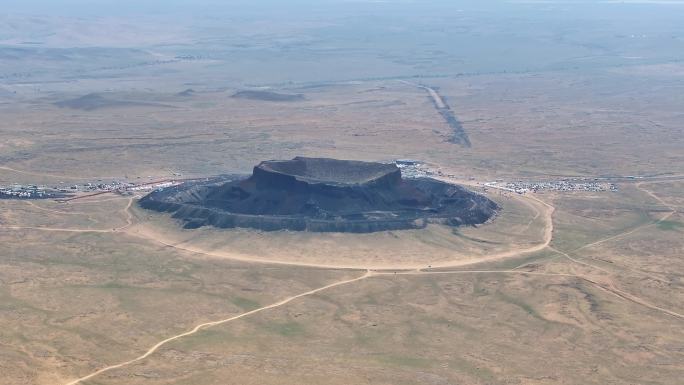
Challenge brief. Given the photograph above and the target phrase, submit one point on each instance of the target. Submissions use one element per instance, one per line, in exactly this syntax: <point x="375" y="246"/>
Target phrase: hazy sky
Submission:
<point x="301" y="7"/>
<point x="361" y="38"/>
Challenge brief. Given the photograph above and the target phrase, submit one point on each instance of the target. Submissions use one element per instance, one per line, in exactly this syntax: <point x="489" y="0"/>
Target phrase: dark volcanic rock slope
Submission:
<point x="323" y="195"/>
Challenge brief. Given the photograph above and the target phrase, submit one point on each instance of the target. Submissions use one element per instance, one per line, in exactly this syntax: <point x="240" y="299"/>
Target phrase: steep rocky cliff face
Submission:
<point x="323" y="195"/>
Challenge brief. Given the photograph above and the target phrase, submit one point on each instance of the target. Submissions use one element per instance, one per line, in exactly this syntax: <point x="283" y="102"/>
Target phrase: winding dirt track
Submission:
<point x="214" y="323"/>
<point x="544" y="209"/>
<point x="58" y="212"/>
<point x="129" y="222"/>
<point x="129" y="216"/>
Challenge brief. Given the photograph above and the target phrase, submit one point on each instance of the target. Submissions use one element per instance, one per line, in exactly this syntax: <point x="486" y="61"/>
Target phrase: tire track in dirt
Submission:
<point x="206" y="325"/>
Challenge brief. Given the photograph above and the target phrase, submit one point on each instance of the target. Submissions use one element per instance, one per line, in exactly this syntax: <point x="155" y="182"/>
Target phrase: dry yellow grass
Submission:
<point x="81" y="290"/>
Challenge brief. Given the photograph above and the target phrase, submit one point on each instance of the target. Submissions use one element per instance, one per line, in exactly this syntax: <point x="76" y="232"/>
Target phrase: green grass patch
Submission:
<point x="206" y="337"/>
<point x="459" y="234"/>
<point x="670" y="225"/>
<point x="109" y="285"/>
<point x="478" y="290"/>
<point x="245" y="304"/>
<point x="576" y="234"/>
<point x="521" y="304"/>
<point x="287" y="329"/>
<point x="404" y="360"/>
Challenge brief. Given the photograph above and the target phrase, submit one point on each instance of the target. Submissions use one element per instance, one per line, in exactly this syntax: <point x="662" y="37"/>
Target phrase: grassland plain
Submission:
<point x="96" y="299"/>
<point x="97" y="283"/>
<point x="522" y="135"/>
<point x="462" y="328"/>
<point x="103" y="295"/>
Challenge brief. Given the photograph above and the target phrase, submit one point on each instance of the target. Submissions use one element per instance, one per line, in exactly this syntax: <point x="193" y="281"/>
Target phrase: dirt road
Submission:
<point x="215" y="323"/>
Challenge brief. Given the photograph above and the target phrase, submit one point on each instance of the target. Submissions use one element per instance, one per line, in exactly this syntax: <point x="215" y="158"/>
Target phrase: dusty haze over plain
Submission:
<point x="566" y="114"/>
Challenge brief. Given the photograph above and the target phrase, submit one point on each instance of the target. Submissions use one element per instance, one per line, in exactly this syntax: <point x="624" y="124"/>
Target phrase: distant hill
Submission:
<point x="96" y="101"/>
<point x="6" y="94"/>
<point x="268" y="96"/>
<point x="188" y="92"/>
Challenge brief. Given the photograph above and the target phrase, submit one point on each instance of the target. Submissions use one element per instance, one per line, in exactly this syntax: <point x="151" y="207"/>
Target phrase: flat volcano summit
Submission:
<point x="322" y="195"/>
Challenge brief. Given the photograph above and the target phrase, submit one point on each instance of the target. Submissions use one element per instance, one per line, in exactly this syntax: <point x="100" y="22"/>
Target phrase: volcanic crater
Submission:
<point x="322" y="195"/>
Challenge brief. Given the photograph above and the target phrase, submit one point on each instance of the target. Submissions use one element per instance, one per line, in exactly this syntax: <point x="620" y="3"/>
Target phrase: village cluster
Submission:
<point x="18" y="191"/>
<point x="409" y="169"/>
<point x="415" y="169"/>
<point x="27" y="192"/>
<point x="521" y="187"/>
<point x="412" y="168"/>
